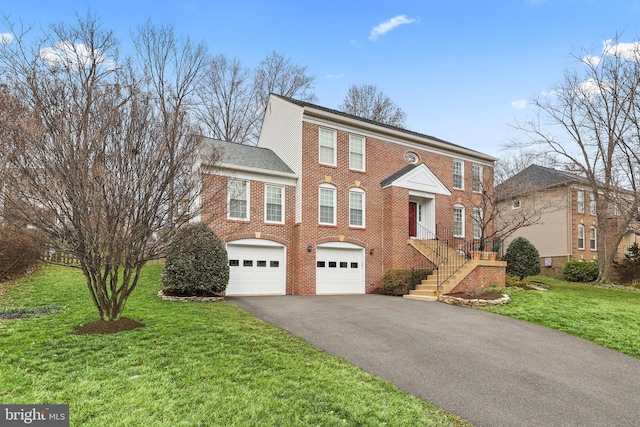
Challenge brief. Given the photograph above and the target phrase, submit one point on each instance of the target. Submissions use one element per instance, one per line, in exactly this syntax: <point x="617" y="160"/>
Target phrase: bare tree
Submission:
<point x="173" y="68"/>
<point x="493" y="211"/>
<point x="227" y="101"/>
<point x="277" y="74"/>
<point x="93" y="167"/>
<point x="369" y="102"/>
<point x="590" y="122"/>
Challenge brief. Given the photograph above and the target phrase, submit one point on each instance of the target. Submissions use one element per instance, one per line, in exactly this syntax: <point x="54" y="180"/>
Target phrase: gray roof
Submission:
<point x="373" y="122"/>
<point x="244" y="156"/>
<point x="397" y="175"/>
<point x="535" y="177"/>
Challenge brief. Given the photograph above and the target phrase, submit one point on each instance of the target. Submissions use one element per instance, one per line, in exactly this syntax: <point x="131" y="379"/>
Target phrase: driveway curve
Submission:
<point x="489" y="369"/>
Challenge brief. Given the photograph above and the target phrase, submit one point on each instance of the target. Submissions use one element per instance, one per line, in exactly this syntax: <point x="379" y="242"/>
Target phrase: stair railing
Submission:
<point x="450" y="253"/>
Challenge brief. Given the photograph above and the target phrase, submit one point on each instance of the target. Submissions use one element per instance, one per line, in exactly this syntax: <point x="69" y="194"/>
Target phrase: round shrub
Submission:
<point x="522" y="258"/>
<point x="580" y="271"/>
<point x="399" y="281"/>
<point x="196" y="262"/>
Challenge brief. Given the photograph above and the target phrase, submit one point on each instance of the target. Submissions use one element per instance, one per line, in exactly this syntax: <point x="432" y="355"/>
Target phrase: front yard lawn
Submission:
<point x="608" y="317"/>
<point x="193" y="364"/>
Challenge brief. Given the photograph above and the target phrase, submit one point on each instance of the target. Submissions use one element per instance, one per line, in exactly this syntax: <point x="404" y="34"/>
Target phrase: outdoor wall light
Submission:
<point x="371" y="252"/>
<point x="309" y="248"/>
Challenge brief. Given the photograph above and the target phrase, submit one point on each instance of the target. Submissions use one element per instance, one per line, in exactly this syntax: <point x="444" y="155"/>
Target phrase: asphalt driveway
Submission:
<point x="490" y="369"/>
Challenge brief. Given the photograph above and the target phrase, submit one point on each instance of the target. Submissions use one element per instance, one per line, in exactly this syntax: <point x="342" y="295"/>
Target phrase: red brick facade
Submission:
<point x="386" y="231"/>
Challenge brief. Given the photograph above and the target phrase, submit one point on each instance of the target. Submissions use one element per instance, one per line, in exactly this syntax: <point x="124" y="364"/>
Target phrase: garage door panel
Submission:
<point x="256" y="270"/>
<point x="339" y="270"/>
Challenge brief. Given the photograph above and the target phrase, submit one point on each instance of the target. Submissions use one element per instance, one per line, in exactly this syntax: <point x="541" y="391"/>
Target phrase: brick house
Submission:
<point x="327" y="202"/>
<point x="568" y="225"/>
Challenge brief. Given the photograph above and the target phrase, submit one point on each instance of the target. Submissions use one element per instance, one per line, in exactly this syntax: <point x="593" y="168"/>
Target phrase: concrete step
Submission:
<point x="421" y="297"/>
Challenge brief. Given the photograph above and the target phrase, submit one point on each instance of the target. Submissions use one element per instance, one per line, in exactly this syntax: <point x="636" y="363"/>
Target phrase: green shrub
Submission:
<point x="522" y="258"/>
<point x="628" y="271"/>
<point x="399" y="281"/>
<point x="196" y="262"/>
<point x="580" y="271"/>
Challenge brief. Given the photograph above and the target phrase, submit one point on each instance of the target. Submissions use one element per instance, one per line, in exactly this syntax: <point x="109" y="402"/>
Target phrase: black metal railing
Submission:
<point x="449" y="252"/>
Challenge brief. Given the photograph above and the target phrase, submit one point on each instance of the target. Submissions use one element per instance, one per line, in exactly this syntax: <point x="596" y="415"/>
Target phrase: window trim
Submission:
<point x="475" y="222"/>
<point x="593" y="238"/>
<point x="461" y="162"/>
<point x="335" y="203"/>
<point x="247" y="200"/>
<point x="363" y="154"/>
<point x="364" y="210"/>
<point x="282" y="197"/>
<point x="581" y="230"/>
<point x="473" y="178"/>
<point x="462" y="220"/>
<point x="580" y="201"/>
<point x="335" y="146"/>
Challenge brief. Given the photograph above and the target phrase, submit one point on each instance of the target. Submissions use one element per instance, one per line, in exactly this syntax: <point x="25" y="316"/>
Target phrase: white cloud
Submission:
<point x="592" y="87"/>
<point x="549" y="93"/>
<point x="6" y="38"/>
<point x="334" y="76"/>
<point x="592" y="60"/>
<point x="519" y="104"/>
<point x="624" y="50"/>
<point x="385" y="27"/>
<point x="71" y="54"/>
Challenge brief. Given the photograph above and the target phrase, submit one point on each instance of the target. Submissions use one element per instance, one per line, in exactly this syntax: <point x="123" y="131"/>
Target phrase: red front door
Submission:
<point x="413" y="210"/>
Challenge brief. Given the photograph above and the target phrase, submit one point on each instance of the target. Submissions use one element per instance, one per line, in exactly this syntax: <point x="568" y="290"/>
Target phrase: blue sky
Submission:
<point x="462" y="70"/>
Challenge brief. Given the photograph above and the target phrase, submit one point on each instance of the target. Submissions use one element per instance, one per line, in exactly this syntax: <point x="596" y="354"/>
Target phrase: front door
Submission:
<point x="413" y="219"/>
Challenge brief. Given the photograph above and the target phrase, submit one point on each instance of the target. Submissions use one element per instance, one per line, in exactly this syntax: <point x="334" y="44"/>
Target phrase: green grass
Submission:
<point x="194" y="364"/>
<point x="608" y="317"/>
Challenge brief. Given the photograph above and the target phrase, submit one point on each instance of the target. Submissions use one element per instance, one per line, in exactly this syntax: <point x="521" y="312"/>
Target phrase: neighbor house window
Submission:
<point x="327" y="147"/>
<point x="477" y="223"/>
<point x="580" y="201"/>
<point x="273" y="204"/>
<point x="327" y="208"/>
<point x="356" y="152"/>
<point x="238" y="199"/>
<point x="616" y="208"/>
<point x="581" y="237"/>
<point x="592" y="238"/>
<point x="592" y="204"/>
<point x="516" y="204"/>
<point x="458" y="174"/>
<point x="476" y="178"/>
<point x="458" y="221"/>
<point x="356" y="208"/>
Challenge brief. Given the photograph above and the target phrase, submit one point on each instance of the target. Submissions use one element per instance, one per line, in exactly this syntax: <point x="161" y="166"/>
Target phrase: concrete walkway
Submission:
<point x="489" y="369"/>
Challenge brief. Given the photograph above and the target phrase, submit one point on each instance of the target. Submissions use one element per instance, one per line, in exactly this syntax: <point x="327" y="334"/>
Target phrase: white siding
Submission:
<point x="282" y="133"/>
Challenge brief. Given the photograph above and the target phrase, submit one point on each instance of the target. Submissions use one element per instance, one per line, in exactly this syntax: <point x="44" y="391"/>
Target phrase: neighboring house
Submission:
<point x="568" y="226"/>
<point x="328" y="202"/>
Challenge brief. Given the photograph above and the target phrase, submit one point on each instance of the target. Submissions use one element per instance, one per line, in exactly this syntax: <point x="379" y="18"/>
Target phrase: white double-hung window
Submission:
<point x="273" y="203"/>
<point x="327" y="147"/>
<point x="458" y="174"/>
<point x="238" y="199"/>
<point x="356" y="152"/>
<point x="356" y="207"/>
<point x="458" y="221"/>
<point x="476" y="178"/>
<point x="327" y="205"/>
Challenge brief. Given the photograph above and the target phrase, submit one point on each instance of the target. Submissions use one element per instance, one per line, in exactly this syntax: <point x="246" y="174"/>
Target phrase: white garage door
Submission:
<point x="256" y="267"/>
<point x="339" y="268"/>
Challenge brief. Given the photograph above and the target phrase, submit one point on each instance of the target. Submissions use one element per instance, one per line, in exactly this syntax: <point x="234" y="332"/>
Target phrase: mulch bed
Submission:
<point x="109" y="326"/>
<point x="488" y="295"/>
